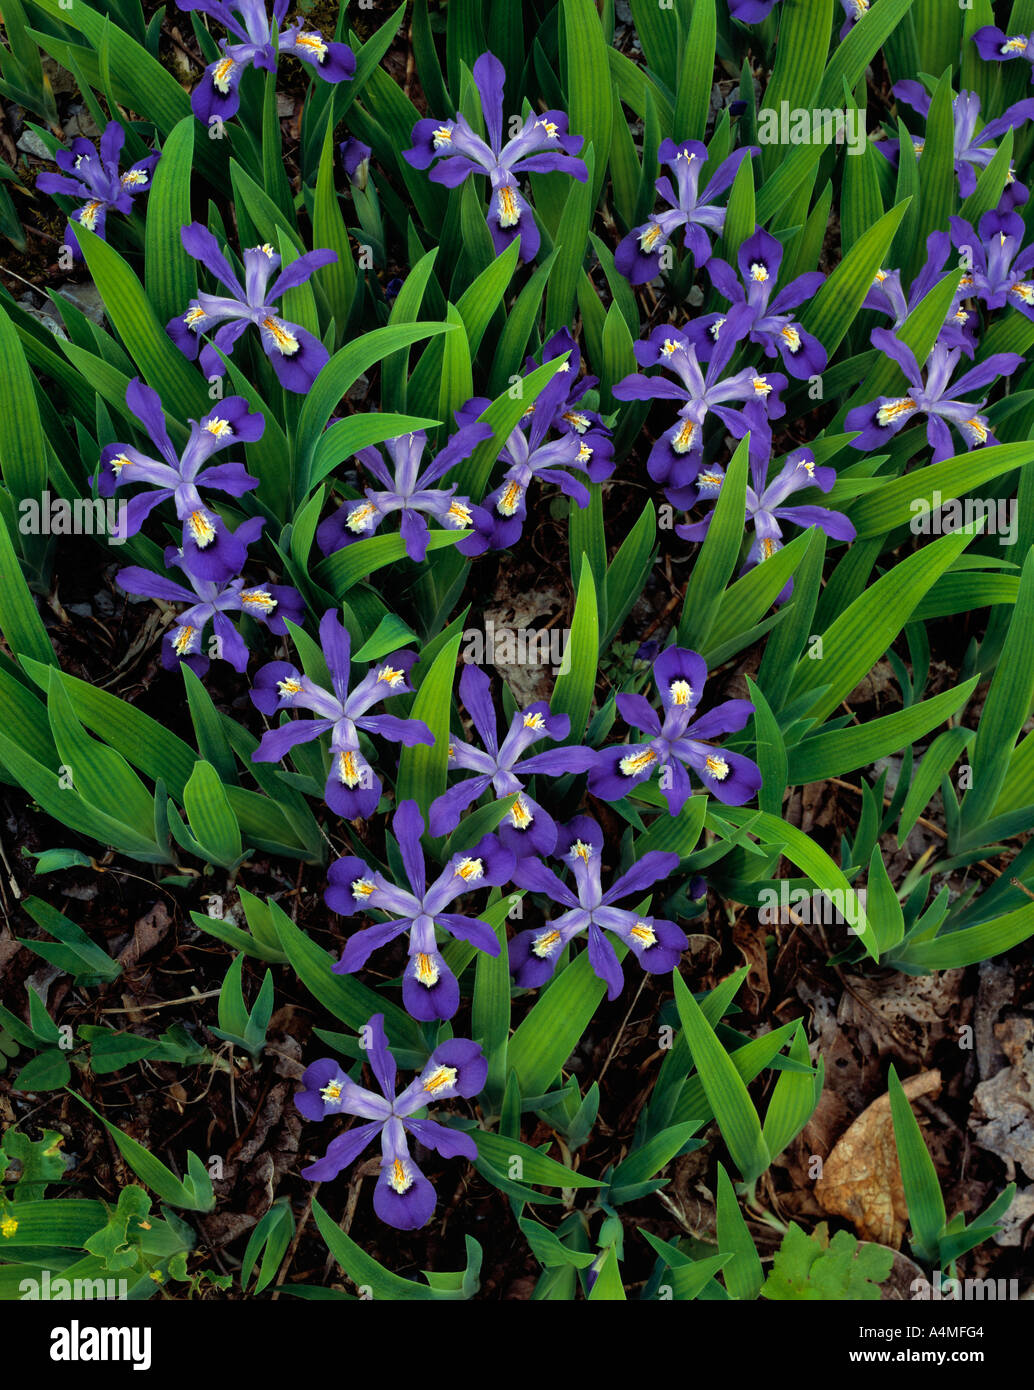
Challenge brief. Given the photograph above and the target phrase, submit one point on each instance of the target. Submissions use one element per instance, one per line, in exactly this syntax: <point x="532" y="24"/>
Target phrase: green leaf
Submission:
<point x="549" y="1250"/>
<point x="346" y="567"/>
<point x="743" y="1274"/>
<point x="162" y="365"/>
<point x="834" y="308"/>
<point x="717" y="557"/>
<point x="20" y="621"/>
<point x="48" y="1071"/>
<point x="859" y="636"/>
<point x="535" y="1167"/>
<point x="848" y="62"/>
<point x="926" y="1213"/>
<point x="23" y="446"/>
<point x="422" y="768"/>
<point x="821" y="756"/>
<point x="589" y="106"/>
<point x="101" y="777"/>
<point x="193" y="1194"/>
<point x="647" y="1160"/>
<point x="968" y="945"/>
<point x="353" y="1003"/>
<point x="910" y="498"/>
<point x="1005" y="710"/>
<point x="329" y="232"/>
<point x="724" y="1088"/>
<point x="576" y="682"/>
<point x="696" y="72"/>
<point x="211" y="818"/>
<point x="549" y="1031"/>
<point x="171" y="275"/>
<point x="342" y="371"/>
<point x="815" y="1268"/>
<point x="572" y="240"/>
<point x="794" y="1098"/>
<point x="628" y="572"/>
<point x="367" y="1273"/>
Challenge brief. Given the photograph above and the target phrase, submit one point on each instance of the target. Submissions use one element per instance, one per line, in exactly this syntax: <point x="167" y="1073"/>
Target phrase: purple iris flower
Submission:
<point x="297" y="356"/>
<point x="94" y="176"/>
<point x="1000" y="271"/>
<point x="569" y="416"/>
<point x="883" y="417"/>
<point x="271" y="604"/>
<point x="994" y="46"/>
<point x="542" y="146"/>
<point x="854" y="10"/>
<point x="409" y="490"/>
<point x="887" y="296"/>
<point x="403" y="1197"/>
<point x="429" y="988"/>
<point x="353" y="788"/>
<point x="217" y="94"/>
<point x="972" y="153"/>
<point x="751" y="11"/>
<point x="210" y="551"/>
<point x="638" y="256"/>
<point x="675" y="458"/>
<point x="530" y="456"/>
<point x="526" y="828"/>
<point x="759" y="259"/>
<point x="678" y="742"/>
<point x="355" y="160"/>
<point x="766" y="508"/>
<point x="657" y="943"/>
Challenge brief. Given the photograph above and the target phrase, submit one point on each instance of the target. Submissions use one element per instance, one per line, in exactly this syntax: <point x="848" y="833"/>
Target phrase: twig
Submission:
<point x="165" y="1004"/>
<point x="624" y="1021"/>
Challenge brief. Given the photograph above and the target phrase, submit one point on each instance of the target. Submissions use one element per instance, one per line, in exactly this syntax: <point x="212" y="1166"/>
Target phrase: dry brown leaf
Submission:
<point x="1003" y="1107"/>
<point x="750" y="942"/>
<point x="861" y="1179"/>
<point x="146" y="934"/>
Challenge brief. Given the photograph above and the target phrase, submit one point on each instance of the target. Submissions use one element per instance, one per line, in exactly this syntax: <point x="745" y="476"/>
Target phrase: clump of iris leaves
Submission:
<point x="544" y="279"/>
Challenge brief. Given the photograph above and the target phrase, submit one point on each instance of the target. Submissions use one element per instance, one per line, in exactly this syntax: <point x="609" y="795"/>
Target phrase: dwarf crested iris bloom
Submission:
<point x="887" y="296"/>
<point x="530" y="456"/>
<point x="210" y="551"/>
<point x="751" y="11"/>
<point x="526" y="828"/>
<point x="638" y="256"/>
<point x="994" y="46"/>
<point x="410" y="491"/>
<point x="1000" y="271"/>
<point x="564" y="395"/>
<point x="884" y="416"/>
<point x="766" y="508"/>
<point x="353" y="788"/>
<point x="656" y="943"/>
<point x="542" y="146"/>
<point x="94" y="176"/>
<point x="429" y="988"/>
<point x="297" y="356"/>
<point x="217" y="94"/>
<point x="675" y="458"/>
<point x="403" y="1197"/>
<point x="355" y="160"/>
<point x="854" y="10"/>
<point x="271" y="604"/>
<point x="679" y="741"/>
<point x="972" y="152"/>
<point x="759" y="259"/>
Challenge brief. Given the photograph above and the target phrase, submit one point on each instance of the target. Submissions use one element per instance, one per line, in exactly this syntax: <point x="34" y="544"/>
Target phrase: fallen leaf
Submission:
<point x="861" y="1179"/>
<point x="146" y="934"/>
<point x="1003" y="1107"/>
